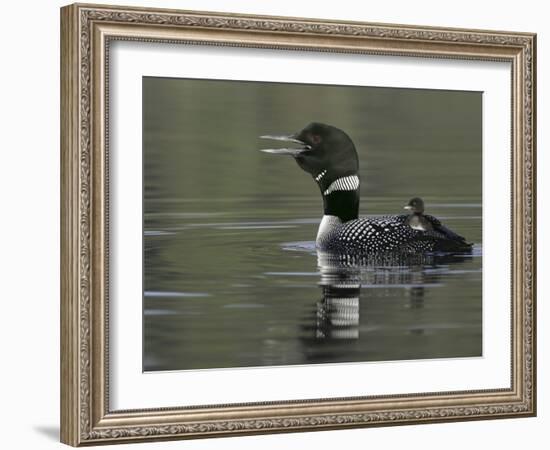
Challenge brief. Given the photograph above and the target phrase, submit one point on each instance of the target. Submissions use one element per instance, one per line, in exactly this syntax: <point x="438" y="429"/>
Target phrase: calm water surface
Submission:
<point x="231" y="275"/>
<point x="264" y="297"/>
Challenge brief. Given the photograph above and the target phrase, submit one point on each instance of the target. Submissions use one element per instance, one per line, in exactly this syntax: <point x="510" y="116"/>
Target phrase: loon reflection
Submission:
<point x="347" y="282"/>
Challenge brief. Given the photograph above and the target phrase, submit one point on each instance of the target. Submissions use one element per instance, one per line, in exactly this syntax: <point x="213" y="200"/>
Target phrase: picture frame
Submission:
<point x="87" y="32"/>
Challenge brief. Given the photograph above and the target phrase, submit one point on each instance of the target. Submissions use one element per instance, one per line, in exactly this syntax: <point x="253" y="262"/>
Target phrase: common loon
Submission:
<point x="329" y="156"/>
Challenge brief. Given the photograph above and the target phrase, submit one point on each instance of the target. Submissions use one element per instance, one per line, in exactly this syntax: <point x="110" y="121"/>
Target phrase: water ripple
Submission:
<point x="175" y="294"/>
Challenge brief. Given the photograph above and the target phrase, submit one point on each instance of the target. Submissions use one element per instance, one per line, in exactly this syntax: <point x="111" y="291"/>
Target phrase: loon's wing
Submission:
<point x="439" y="239"/>
<point x="390" y="233"/>
<point x="402" y="219"/>
<point x="443" y="243"/>
<point x="380" y="234"/>
<point x="439" y="227"/>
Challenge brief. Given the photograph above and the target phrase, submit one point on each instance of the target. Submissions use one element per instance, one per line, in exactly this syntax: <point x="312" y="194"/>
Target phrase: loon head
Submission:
<point x="415" y="205"/>
<point x="325" y="152"/>
<point x="329" y="156"/>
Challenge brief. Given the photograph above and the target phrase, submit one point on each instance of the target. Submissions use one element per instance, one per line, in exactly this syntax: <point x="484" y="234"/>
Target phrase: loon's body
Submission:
<point x="329" y="155"/>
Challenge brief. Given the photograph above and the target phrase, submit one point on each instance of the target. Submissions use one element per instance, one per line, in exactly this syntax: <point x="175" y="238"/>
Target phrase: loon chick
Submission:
<point x="424" y="222"/>
<point x="329" y="156"/>
<point x="417" y="219"/>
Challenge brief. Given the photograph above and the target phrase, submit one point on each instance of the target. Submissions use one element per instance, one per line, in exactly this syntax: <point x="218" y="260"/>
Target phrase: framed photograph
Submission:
<point x="276" y="224"/>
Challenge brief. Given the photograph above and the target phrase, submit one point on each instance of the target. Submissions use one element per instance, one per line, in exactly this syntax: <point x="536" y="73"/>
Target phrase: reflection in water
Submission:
<point x="349" y="281"/>
<point x="338" y="310"/>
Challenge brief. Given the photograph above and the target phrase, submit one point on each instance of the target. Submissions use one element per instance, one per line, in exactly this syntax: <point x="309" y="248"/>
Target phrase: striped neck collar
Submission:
<point x="349" y="183"/>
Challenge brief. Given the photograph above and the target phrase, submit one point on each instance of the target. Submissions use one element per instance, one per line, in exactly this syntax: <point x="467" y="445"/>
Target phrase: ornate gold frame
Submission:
<point x="86" y="31"/>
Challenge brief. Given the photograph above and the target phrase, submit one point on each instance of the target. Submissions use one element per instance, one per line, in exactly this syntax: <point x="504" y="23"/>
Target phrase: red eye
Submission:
<point x="316" y="139"/>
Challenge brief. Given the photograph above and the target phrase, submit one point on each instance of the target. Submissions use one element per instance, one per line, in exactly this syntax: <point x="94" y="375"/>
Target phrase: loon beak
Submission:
<point x="288" y="150"/>
<point x="409" y="207"/>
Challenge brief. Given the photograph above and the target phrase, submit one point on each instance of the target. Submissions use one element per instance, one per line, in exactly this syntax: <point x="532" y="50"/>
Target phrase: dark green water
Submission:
<point x="231" y="275"/>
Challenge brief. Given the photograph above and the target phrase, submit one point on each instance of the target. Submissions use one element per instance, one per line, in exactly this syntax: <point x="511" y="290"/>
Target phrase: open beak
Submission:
<point x="408" y="207"/>
<point x="292" y="151"/>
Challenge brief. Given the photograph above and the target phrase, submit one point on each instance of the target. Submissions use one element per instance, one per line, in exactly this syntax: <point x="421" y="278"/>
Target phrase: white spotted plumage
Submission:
<point x="375" y="235"/>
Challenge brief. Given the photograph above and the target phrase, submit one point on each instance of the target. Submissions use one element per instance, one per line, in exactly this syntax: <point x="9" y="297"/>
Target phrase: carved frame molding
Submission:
<point x="86" y="31"/>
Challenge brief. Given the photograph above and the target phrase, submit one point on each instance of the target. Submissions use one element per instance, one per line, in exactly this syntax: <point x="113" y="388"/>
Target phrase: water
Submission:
<point x="232" y="278"/>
